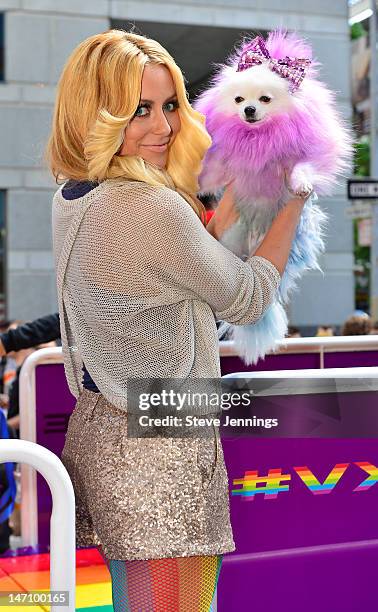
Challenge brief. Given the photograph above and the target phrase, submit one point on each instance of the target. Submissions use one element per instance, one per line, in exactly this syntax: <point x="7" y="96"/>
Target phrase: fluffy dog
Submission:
<point x="275" y="129"/>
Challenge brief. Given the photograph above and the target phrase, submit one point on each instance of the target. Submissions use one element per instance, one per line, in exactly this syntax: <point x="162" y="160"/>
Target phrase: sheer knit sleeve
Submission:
<point x="158" y="237"/>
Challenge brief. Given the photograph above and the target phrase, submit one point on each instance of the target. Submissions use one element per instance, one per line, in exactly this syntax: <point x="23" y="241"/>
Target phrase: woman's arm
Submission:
<point x="225" y="214"/>
<point x="277" y="242"/>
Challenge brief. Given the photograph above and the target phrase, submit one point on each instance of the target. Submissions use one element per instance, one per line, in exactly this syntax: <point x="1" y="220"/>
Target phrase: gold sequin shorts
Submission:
<point x="144" y="498"/>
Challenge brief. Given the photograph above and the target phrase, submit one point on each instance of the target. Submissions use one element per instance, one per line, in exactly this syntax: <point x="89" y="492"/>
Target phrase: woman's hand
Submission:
<point x="225" y="214"/>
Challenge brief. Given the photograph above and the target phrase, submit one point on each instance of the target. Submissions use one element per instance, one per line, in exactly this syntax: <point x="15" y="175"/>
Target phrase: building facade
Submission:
<point x="36" y="37"/>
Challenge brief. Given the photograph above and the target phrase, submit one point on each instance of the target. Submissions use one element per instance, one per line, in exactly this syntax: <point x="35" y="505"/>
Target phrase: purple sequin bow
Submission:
<point x="291" y="68"/>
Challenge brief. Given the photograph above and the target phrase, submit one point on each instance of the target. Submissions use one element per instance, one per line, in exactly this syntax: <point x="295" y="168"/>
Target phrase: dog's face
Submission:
<point x="254" y="94"/>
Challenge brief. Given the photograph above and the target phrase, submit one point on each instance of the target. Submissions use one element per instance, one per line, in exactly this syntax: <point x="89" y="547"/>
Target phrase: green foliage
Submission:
<point x="362" y="157"/>
<point x="357" y="30"/>
<point x="361" y="253"/>
<point x="361" y="168"/>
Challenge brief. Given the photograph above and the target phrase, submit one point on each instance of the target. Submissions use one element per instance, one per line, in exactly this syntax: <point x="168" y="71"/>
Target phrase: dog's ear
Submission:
<point x="223" y="75"/>
<point x="228" y="71"/>
<point x="223" y="79"/>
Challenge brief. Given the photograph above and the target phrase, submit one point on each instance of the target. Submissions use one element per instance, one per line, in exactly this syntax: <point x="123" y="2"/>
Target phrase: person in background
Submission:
<point x="9" y="371"/>
<point x="293" y="332"/>
<point x="356" y="325"/>
<point x="7" y="493"/>
<point x="8" y="368"/>
<point x="324" y="331"/>
<point x="4" y="326"/>
<point x="41" y="330"/>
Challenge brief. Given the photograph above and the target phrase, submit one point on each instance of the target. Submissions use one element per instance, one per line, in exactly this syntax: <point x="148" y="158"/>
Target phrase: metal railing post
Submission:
<point x="62" y="524"/>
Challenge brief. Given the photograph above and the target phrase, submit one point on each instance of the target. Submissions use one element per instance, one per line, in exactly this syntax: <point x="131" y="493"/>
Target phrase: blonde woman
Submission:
<point x="140" y="280"/>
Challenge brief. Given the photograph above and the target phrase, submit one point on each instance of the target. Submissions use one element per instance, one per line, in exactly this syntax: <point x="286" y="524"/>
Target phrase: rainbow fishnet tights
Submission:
<point x="182" y="584"/>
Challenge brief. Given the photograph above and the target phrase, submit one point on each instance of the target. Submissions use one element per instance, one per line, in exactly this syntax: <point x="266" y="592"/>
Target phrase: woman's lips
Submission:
<point x="159" y="148"/>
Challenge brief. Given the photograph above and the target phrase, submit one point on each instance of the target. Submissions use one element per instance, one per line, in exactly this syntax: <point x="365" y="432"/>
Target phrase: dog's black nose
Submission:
<point x="250" y="111"/>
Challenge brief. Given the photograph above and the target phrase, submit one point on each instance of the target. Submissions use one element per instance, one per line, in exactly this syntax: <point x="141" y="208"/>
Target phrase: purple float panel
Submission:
<point x="301" y="361"/>
<point x="298" y="517"/>
<point x="54" y="405"/>
<point x="303" y="509"/>
<point x="351" y="359"/>
<point x="337" y="580"/>
<point x="296" y="361"/>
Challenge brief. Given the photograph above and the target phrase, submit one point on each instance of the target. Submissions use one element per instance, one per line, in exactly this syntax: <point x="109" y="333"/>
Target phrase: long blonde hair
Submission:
<point x="98" y="94"/>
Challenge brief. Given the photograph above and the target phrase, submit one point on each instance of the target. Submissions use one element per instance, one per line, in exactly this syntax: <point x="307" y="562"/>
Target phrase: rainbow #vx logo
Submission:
<point x="276" y="481"/>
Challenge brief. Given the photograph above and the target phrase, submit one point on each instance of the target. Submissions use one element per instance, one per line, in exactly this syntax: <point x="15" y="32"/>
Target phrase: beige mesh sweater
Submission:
<point x="139" y="280"/>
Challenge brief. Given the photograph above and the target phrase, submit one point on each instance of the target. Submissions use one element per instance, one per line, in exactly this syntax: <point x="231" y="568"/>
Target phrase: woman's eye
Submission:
<point x="171" y="106"/>
<point x="239" y="99"/>
<point x="265" y="99"/>
<point x="139" y="111"/>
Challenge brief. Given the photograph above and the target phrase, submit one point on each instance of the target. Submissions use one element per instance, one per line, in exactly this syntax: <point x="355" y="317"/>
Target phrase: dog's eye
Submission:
<point x="265" y="99"/>
<point x="239" y="99"/>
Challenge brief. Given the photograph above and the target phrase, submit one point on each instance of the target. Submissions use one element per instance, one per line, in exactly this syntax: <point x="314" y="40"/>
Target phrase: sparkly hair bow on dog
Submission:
<point x="291" y="68"/>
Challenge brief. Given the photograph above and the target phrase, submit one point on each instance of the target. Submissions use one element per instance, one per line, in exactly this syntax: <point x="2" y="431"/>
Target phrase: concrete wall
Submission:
<point x="38" y="40"/>
<point x="40" y="34"/>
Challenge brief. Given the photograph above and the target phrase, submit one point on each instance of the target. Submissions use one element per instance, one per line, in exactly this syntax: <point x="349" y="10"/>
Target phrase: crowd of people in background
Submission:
<point x="358" y="324"/>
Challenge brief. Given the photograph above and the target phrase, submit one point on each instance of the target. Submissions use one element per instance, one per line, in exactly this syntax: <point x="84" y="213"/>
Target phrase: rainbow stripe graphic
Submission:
<point x="31" y="573"/>
<point x="313" y="484"/>
<point x="269" y="486"/>
<point x="372" y="470"/>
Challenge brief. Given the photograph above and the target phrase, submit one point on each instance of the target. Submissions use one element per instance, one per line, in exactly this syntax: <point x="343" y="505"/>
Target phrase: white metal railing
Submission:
<point x="62" y="524"/>
<point x="29" y="507"/>
<point x="320" y="345"/>
<point x="353" y="373"/>
<point x="347" y="379"/>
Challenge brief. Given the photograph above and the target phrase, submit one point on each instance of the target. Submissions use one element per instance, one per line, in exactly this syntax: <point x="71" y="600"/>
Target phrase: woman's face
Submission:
<point x="156" y="122"/>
